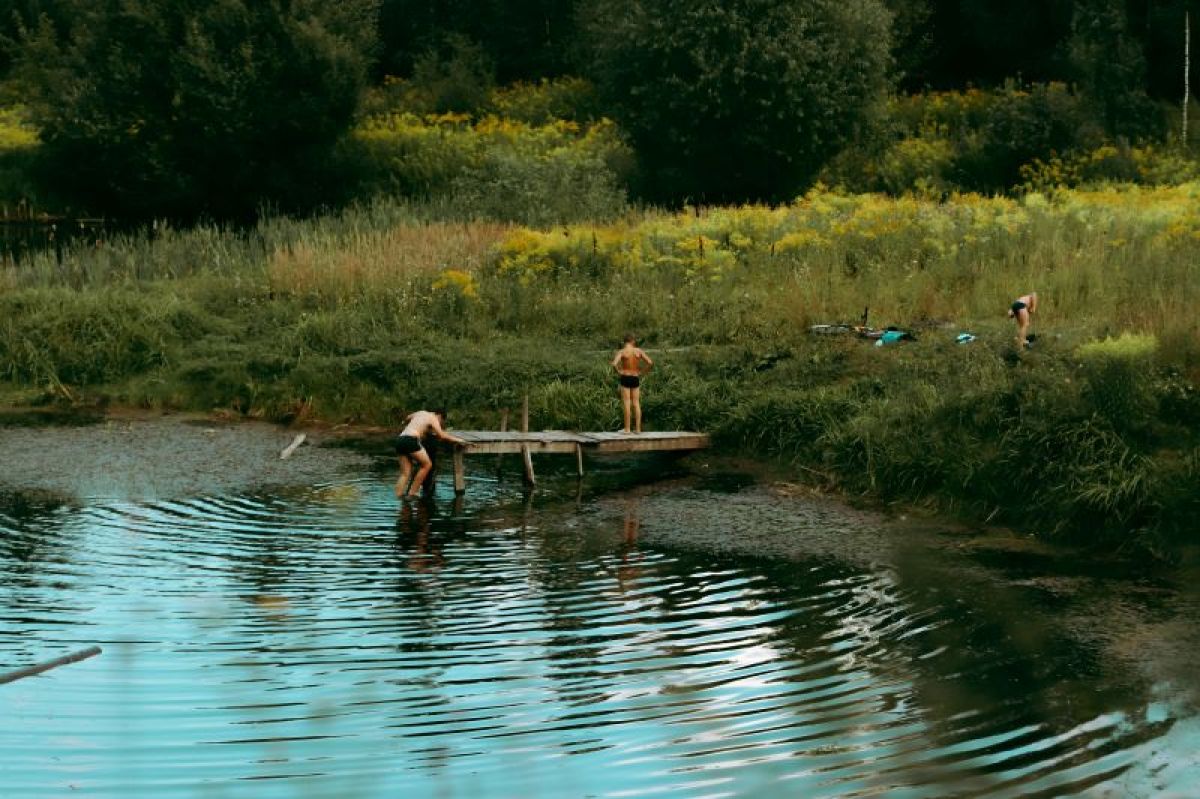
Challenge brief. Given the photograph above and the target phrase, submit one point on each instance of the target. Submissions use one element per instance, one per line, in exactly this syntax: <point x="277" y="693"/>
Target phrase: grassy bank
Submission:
<point x="1091" y="435"/>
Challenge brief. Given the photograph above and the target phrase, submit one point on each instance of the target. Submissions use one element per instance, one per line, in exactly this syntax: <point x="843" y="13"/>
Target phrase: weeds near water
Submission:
<point x="389" y="306"/>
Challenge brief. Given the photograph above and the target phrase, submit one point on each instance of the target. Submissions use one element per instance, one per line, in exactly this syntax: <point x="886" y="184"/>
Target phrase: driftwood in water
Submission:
<point x="30" y="671"/>
<point x="297" y="441"/>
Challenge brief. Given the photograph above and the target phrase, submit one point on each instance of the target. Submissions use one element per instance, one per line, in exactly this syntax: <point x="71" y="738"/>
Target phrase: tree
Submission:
<point x="524" y="39"/>
<point x="181" y="108"/>
<point x="1159" y="25"/>
<point x="912" y="40"/>
<point x="1111" y="68"/>
<point x="18" y="14"/>
<point x="732" y="100"/>
<point x="988" y="42"/>
<point x="456" y="77"/>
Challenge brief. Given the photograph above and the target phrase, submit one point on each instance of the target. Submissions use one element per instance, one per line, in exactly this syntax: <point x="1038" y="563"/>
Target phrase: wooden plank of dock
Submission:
<point x="564" y="442"/>
<point x="646" y="442"/>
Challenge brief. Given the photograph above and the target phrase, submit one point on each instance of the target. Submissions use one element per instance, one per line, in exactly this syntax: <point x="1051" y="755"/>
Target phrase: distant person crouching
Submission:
<point x="1021" y="309"/>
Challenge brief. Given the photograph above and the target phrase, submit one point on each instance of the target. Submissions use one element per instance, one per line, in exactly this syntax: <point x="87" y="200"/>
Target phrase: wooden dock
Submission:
<point x="482" y="442"/>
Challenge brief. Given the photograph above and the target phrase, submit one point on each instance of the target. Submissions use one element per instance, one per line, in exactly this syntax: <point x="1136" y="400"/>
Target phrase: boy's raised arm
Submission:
<point x="441" y="433"/>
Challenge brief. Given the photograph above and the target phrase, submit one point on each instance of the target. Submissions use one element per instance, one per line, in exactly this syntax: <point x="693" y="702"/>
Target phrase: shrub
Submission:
<point x="456" y="77"/>
<point x="227" y="106"/>
<point x="737" y="100"/>
<point x="922" y="163"/>
<point x="18" y="145"/>
<point x="547" y="100"/>
<point x="563" y="185"/>
<point x="972" y="140"/>
<point x="495" y="168"/>
<point x="1119" y="375"/>
<point x="1020" y="125"/>
<point x="1111" y="163"/>
<point x="92" y="338"/>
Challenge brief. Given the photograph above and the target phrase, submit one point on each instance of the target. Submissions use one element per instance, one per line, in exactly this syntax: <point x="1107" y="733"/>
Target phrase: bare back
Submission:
<point x="420" y="423"/>
<point x="628" y="360"/>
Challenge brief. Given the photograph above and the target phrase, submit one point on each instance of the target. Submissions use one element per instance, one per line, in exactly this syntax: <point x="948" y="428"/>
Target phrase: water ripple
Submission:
<point x="326" y="643"/>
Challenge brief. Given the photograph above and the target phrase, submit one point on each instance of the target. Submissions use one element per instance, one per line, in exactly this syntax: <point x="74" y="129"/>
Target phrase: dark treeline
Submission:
<point x="186" y="107"/>
<point x="941" y="44"/>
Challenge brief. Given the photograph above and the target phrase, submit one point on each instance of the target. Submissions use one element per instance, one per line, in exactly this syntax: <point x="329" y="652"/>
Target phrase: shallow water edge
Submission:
<point x="748" y="620"/>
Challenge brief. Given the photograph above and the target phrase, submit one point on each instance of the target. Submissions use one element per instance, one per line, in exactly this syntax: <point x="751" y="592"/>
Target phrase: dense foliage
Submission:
<point x="150" y="108"/>
<point x="729" y="101"/>
<point x="523" y="39"/>
<point x="179" y="109"/>
<point x="498" y="168"/>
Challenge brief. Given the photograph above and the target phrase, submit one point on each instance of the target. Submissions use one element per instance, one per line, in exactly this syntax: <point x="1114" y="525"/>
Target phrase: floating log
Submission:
<point x="30" y="671"/>
<point x="296" y="442"/>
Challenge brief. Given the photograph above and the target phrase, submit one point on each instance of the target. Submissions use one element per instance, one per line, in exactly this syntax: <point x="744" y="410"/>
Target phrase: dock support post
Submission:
<point x="579" y="459"/>
<point x="503" y="429"/>
<point x="530" y="478"/>
<point x="429" y="489"/>
<point x="460" y="476"/>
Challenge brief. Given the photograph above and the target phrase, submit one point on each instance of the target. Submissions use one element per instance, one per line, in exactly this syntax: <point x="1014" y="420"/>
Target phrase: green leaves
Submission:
<point x="185" y="109"/>
<point x="733" y="101"/>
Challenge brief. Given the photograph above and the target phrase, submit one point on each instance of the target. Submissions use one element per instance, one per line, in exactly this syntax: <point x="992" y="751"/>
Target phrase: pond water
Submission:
<point x="323" y="641"/>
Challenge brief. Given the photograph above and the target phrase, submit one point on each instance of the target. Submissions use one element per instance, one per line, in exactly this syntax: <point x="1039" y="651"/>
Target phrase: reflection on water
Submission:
<point x="329" y="643"/>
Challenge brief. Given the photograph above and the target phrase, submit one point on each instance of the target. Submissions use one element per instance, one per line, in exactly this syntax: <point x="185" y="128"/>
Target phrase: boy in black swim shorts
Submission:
<point x="628" y="362"/>
<point x="412" y="454"/>
<point x="1020" y="310"/>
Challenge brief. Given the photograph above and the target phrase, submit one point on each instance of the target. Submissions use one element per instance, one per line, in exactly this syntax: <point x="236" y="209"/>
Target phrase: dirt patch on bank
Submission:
<point x="148" y="458"/>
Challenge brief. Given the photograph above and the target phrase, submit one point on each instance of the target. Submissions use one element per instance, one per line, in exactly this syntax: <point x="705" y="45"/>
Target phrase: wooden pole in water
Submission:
<point x="30" y="671"/>
<point x="579" y="459"/>
<point x="503" y="429"/>
<point x="460" y="471"/>
<point x="429" y="488"/>
<point x="530" y="477"/>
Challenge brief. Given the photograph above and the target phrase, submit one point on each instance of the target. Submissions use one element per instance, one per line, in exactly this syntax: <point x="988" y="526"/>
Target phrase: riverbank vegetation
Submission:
<point x="158" y="110"/>
<point x="341" y="211"/>
<point x="359" y="315"/>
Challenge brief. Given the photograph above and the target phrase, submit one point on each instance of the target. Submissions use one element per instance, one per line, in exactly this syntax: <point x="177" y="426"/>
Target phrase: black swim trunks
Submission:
<point x="630" y="381"/>
<point x="1018" y="306"/>
<point x="407" y="445"/>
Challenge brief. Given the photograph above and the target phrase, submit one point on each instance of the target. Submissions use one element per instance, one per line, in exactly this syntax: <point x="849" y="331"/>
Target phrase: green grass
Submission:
<point x="387" y="307"/>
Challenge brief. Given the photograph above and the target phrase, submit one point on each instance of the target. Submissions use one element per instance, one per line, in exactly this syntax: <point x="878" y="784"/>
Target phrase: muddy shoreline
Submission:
<point x="140" y="455"/>
<point x="145" y="457"/>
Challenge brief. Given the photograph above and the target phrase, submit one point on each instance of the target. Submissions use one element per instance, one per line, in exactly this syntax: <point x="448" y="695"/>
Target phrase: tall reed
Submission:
<point x="388" y="306"/>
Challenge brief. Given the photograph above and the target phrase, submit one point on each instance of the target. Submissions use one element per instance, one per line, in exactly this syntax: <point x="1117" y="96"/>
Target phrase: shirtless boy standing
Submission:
<point x="627" y="362"/>
<point x="1021" y="308"/>
<point x="412" y="453"/>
